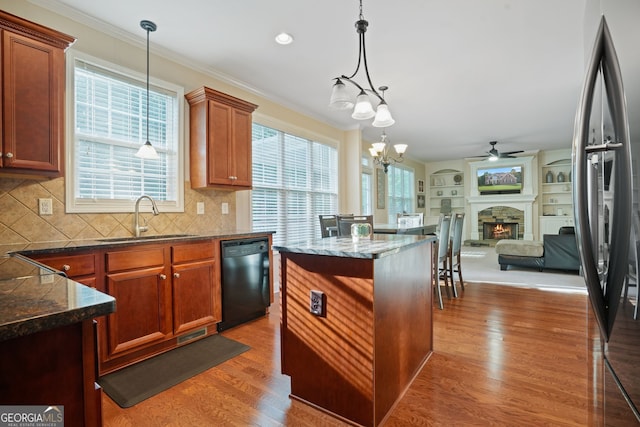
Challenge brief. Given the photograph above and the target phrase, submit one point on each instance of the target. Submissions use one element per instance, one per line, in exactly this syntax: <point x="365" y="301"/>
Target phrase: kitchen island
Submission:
<point x="356" y="323"/>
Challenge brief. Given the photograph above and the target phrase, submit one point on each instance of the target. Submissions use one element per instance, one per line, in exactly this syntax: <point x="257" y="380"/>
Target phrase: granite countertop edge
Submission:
<point x="70" y="246"/>
<point x="377" y="247"/>
<point x="29" y="326"/>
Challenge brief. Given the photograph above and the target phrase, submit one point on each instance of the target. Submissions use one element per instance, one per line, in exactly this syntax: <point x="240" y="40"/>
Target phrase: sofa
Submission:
<point x="555" y="251"/>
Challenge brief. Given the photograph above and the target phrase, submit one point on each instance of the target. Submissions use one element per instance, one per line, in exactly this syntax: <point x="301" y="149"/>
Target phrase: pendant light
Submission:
<point x="147" y="151"/>
<point x="362" y="108"/>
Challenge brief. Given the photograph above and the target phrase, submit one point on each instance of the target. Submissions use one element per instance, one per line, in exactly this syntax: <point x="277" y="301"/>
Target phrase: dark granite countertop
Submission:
<point x="33" y="299"/>
<point x="69" y="246"/>
<point x="377" y="246"/>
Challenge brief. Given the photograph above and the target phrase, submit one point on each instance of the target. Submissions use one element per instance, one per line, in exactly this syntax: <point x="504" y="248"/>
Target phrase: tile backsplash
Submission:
<point x="20" y="222"/>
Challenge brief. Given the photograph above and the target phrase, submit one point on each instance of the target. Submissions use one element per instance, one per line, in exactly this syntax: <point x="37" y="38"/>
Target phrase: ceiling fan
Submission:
<point x="494" y="154"/>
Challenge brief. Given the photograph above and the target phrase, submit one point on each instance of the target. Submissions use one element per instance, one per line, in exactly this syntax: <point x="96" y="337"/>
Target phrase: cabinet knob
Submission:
<point x="9" y="155"/>
<point x="233" y="178"/>
<point x="176" y="275"/>
<point x="66" y="267"/>
<point x="163" y="276"/>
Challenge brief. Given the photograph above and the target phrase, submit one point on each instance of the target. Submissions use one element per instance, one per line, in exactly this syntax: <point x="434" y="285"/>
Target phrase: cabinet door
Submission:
<point x="143" y="313"/>
<point x="242" y="160"/>
<point x="219" y="144"/>
<point x="33" y="105"/>
<point x="196" y="296"/>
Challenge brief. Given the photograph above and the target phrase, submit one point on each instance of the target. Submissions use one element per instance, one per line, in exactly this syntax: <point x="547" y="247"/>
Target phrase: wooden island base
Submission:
<point x="357" y="358"/>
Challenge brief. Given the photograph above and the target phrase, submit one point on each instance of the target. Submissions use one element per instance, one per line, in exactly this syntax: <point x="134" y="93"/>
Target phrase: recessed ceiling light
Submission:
<point x="284" y="38"/>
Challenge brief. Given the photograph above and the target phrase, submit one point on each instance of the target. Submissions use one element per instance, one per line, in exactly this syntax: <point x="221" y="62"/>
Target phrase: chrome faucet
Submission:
<point x="141" y="228"/>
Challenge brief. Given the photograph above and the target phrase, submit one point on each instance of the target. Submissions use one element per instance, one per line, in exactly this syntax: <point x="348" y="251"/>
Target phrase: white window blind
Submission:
<point x="400" y="187"/>
<point x="110" y="124"/>
<point x="294" y="181"/>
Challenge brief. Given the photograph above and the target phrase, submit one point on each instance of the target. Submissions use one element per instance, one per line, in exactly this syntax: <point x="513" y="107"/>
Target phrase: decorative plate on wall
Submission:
<point x="457" y="179"/>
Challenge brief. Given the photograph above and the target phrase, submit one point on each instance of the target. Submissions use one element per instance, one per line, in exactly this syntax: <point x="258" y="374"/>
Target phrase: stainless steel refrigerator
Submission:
<point x="607" y="219"/>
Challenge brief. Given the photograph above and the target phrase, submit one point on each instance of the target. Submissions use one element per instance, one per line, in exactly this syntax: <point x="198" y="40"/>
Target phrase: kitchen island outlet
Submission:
<point x="356" y="325"/>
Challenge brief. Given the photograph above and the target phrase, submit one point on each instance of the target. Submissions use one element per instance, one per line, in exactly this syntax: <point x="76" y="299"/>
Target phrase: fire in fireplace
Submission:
<point x="500" y="230"/>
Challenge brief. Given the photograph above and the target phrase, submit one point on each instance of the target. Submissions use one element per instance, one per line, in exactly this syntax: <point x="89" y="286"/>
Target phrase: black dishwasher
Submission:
<point x="245" y="281"/>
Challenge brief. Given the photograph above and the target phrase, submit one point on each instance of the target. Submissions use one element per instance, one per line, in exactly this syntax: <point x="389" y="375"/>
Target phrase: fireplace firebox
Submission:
<point x="500" y="230"/>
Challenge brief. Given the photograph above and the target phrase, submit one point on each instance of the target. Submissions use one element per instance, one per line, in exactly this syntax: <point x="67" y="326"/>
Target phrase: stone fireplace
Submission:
<point x="503" y="208"/>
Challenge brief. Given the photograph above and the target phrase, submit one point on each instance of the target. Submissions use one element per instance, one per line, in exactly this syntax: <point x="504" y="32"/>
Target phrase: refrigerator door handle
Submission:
<point x="604" y="301"/>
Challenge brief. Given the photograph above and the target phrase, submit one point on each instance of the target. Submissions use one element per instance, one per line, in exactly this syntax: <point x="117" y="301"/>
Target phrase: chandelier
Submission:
<point x="380" y="152"/>
<point x="362" y="109"/>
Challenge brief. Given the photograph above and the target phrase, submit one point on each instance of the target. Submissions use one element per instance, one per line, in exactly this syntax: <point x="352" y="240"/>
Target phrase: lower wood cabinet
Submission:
<point x="138" y="281"/>
<point x="195" y="287"/>
<point x="167" y="293"/>
<point x="163" y="292"/>
<point x="81" y="267"/>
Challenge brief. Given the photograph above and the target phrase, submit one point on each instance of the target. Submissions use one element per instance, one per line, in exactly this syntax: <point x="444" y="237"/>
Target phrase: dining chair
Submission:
<point x="440" y="253"/>
<point x="345" y="221"/>
<point x="455" y="247"/>
<point x="328" y="225"/>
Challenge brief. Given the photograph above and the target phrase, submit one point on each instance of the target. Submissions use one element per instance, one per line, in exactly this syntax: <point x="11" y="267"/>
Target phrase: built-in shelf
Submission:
<point x="556" y="196"/>
<point x="446" y="192"/>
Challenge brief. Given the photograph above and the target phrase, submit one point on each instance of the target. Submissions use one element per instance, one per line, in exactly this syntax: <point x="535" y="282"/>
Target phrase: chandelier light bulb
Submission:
<point x="379" y="147"/>
<point x="400" y="148"/>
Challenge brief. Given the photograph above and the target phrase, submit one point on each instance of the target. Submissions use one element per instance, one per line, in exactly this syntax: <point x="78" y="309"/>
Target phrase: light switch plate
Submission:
<point x="200" y="208"/>
<point x="225" y="208"/>
<point x="45" y="207"/>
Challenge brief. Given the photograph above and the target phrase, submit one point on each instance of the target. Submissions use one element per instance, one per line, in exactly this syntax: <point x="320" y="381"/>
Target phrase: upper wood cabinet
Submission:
<point x="32" y="93"/>
<point x="220" y="140"/>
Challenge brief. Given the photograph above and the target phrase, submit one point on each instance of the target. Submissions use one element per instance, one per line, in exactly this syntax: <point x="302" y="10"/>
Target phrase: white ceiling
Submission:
<point x="460" y="72"/>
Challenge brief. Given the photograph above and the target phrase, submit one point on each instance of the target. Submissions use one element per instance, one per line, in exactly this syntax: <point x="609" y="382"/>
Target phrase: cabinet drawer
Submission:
<point x="192" y="252"/>
<point x="72" y="265"/>
<point x="138" y="259"/>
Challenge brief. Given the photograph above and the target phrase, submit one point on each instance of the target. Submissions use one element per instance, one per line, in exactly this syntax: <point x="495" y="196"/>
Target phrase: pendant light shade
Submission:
<point x="383" y="116"/>
<point x="340" y="98"/>
<point x="147" y="151"/>
<point x="363" y="109"/>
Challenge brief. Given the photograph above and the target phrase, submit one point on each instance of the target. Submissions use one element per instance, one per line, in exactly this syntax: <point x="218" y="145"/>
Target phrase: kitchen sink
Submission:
<point x="144" y="238"/>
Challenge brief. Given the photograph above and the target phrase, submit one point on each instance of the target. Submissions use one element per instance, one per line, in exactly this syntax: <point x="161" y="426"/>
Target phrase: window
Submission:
<point x="294" y="181"/>
<point x="367" y="187"/>
<point x="400" y="187"/>
<point x="108" y="126"/>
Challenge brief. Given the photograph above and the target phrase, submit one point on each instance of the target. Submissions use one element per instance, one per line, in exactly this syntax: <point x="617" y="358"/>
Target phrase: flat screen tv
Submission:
<point x="500" y="180"/>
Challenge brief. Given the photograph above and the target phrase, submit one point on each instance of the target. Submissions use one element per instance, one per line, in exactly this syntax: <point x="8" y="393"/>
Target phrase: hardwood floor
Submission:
<point x="502" y="356"/>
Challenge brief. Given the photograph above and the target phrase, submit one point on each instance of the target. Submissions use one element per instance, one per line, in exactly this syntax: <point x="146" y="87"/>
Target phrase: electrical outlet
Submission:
<point x="45" y="207"/>
<point x="317" y="303"/>
<point x="225" y="208"/>
<point x="200" y="208"/>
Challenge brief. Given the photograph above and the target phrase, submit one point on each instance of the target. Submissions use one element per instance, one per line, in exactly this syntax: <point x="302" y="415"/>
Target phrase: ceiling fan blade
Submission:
<point x="512" y="152"/>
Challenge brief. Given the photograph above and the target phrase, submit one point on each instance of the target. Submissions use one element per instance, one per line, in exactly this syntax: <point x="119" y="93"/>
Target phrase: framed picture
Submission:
<point x="420" y="186"/>
<point x="380" y="193"/>
<point x="420" y="201"/>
